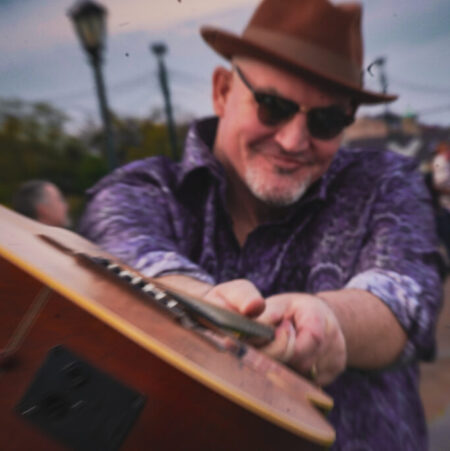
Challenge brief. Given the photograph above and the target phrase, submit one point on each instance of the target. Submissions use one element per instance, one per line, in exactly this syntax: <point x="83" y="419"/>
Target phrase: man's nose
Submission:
<point x="293" y="136"/>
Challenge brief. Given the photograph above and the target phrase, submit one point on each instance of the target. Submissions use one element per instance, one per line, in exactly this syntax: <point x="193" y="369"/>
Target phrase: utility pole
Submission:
<point x="380" y="63"/>
<point x="160" y="49"/>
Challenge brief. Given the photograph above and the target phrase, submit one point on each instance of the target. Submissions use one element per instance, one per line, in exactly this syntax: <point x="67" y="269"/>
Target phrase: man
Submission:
<point x="441" y="184"/>
<point x="42" y="201"/>
<point x="267" y="216"/>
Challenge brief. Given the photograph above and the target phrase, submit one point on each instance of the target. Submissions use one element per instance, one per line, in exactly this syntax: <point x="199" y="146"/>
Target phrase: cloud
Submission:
<point x="32" y="26"/>
<point x="161" y="14"/>
<point x="41" y="55"/>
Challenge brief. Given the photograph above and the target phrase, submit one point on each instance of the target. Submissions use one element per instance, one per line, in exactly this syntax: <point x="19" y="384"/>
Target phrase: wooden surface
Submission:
<point x="199" y="397"/>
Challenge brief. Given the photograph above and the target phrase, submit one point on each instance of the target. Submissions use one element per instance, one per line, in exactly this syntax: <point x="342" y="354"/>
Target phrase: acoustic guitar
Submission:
<point x="96" y="357"/>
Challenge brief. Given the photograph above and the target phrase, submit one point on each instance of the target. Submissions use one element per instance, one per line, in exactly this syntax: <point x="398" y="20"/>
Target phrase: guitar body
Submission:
<point x="185" y="393"/>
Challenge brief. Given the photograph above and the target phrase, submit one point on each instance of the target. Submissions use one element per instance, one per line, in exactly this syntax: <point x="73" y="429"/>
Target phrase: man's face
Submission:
<point x="276" y="163"/>
<point x="53" y="209"/>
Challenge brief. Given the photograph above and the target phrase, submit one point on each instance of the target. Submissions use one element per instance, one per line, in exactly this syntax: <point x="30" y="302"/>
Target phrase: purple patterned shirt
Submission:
<point x="367" y="224"/>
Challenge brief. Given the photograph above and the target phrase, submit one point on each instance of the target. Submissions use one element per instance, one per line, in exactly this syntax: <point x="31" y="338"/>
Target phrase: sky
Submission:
<point x="41" y="59"/>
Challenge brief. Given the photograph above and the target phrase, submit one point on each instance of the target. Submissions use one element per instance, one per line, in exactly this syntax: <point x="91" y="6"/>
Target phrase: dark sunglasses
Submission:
<point x="323" y="123"/>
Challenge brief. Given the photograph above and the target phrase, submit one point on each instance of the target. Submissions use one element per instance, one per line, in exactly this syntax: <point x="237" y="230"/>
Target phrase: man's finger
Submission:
<point x="276" y="308"/>
<point x="306" y="351"/>
<point x="283" y="346"/>
<point x="239" y="295"/>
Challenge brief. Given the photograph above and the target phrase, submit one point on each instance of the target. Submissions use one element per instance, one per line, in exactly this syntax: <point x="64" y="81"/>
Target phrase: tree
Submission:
<point x="34" y="144"/>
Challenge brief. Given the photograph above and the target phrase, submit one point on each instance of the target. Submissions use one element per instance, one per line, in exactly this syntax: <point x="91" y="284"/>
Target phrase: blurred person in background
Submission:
<point x="441" y="185"/>
<point x="43" y="201"/>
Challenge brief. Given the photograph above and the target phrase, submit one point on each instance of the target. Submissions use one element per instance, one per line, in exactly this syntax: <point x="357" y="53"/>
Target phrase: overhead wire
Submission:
<point x="433" y="110"/>
<point x="420" y="87"/>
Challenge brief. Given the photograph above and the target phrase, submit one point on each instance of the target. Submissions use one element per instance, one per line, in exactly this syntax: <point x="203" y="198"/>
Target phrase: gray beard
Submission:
<point x="275" y="198"/>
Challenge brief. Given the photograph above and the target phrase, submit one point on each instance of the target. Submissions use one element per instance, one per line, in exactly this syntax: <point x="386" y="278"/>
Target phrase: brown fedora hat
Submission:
<point x="313" y="38"/>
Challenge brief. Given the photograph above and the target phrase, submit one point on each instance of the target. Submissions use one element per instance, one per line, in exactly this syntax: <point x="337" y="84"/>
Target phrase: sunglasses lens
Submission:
<point x="273" y="110"/>
<point x="327" y="123"/>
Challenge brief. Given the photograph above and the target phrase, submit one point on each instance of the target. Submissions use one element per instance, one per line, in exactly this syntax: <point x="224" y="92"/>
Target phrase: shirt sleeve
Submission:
<point x="136" y="223"/>
<point x="400" y="261"/>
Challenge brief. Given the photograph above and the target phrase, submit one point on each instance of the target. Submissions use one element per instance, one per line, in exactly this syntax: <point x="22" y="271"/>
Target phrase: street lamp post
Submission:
<point x="89" y="21"/>
<point x="160" y="49"/>
<point x="380" y="62"/>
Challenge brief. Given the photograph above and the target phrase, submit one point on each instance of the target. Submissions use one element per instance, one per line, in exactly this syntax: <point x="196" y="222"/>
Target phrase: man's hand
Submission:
<point x="310" y="329"/>
<point x="239" y="295"/>
<point x="308" y="336"/>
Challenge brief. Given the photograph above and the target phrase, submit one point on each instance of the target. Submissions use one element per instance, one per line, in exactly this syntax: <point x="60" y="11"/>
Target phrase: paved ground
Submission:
<point x="435" y="385"/>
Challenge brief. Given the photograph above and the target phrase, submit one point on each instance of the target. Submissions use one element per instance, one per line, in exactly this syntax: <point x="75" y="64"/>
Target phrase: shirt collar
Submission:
<point x="198" y="150"/>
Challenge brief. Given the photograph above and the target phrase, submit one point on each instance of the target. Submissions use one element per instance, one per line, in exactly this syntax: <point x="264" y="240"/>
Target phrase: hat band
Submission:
<point x="311" y="56"/>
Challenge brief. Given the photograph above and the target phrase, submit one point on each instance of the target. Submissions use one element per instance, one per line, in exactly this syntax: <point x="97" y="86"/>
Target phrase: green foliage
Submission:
<point x="34" y="144"/>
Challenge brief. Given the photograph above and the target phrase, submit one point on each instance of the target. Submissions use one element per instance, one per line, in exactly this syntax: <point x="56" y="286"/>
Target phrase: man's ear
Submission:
<point x="41" y="210"/>
<point x="354" y="105"/>
<point x="222" y="79"/>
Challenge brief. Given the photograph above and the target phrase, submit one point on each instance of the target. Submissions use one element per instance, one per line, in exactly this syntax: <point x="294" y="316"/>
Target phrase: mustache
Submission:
<point x="275" y="150"/>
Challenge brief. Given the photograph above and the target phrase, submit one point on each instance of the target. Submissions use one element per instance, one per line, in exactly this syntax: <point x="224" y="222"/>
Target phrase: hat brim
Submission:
<point x="228" y="45"/>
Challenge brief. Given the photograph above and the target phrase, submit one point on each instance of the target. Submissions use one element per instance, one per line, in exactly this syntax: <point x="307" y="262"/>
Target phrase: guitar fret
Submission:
<point x="138" y="282"/>
<point x="172" y="303"/>
<point x="149" y="288"/>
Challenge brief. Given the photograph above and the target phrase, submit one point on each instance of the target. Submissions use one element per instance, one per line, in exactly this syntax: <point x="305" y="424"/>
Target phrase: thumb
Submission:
<point x="283" y="346"/>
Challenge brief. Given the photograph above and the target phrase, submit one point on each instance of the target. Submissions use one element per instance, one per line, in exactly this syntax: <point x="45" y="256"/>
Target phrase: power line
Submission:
<point x="148" y="80"/>
<point x="188" y="90"/>
<point x="434" y="110"/>
<point x="186" y="76"/>
<point x="421" y="87"/>
<point x="141" y="80"/>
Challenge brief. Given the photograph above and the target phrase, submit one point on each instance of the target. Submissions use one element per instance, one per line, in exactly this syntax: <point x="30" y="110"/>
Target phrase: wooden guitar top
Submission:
<point x="253" y="381"/>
